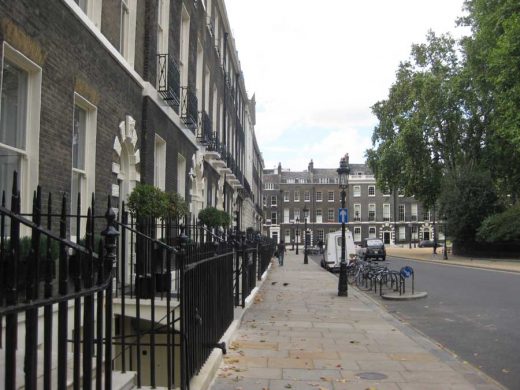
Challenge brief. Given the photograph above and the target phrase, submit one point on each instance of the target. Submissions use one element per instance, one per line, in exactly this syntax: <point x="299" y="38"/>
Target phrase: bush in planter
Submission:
<point x="225" y="219"/>
<point x="147" y="200"/>
<point x="210" y="216"/>
<point x="177" y="206"/>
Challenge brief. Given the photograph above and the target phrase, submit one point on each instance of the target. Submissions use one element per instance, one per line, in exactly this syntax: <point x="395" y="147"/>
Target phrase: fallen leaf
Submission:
<point x="505" y="370"/>
<point x="288" y="386"/>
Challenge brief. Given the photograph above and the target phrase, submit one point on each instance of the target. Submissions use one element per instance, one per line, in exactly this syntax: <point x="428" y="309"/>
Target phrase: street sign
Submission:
<point x="343" y="215"/>
<point x="406" y="272"/>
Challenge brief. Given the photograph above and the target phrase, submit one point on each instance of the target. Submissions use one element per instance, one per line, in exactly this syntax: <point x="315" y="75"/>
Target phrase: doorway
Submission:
<point x="386" y="237"/>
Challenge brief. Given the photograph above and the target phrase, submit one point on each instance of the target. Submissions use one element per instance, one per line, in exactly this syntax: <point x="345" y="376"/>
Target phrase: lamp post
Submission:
<point x="292" y="240"/>
<point x="305" y="258"/>
<point x="410" y="242"/>
<point x="343" y="172"/>
<point x="297" y="232"/>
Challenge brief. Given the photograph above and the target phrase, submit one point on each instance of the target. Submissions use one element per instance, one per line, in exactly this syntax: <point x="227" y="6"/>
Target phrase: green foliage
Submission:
<point x="467" y="199"/>
<point x="147" y="200"/>
<point x="212" y="217"/>
<point x="225" y="219"/>
<point x="26" y="244"/>
<point x="177" y="206"/>
<point x="501" y="227"/>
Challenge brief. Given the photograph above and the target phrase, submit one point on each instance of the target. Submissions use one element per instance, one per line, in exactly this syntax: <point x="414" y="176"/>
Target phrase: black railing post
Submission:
<point x="49" y="275"/>
<point x="63" y="306"/>
<point x="245" y="272"/>
<point x="31" y="315"/>
<point x="11" y="329"/>
<point x="110" y="234"/>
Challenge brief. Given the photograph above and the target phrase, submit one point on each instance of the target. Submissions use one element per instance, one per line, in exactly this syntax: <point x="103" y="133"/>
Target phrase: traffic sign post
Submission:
<point x="343" y="215"/>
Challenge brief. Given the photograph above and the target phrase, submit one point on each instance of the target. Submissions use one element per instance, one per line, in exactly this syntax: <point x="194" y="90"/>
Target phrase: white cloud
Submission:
<point x="323" y="64"/>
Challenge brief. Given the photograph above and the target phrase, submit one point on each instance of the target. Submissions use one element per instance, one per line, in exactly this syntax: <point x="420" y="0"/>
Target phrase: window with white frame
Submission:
<point x="160" y="163"/>
<point x="273" y="217"/>
<point x="357" y="191"/>
<point x="357" y="233"/>
<point x="286" y="196"/>
<point x="306" y="214"/>
<point x="286" y="215"/>
<point x="181" y="175"/>
<point x="401" y="212"/>
<point x="296" y="214"/>
<point x="402" y="233"/>
<point x="415" y="233"/>
<point x="19" y="123"/>
<point x="331" y="196"/>
<point x="320" y="234"/>
<point x="91" y="8"/>
<point x="426" y="215"/>
<point x="274" y="200"/>
<point x="83" y="167"/>
<point x="357" y="212"/>
<point x="269" y="186"/>
<point x="371" y="232"/>
<point x="296" y="196"/>
<point x="371" y="211"/>
<point x="319" y="216"/>
<point x="319" y="196"/>
<point x="307" y="196"/>
<point x="127" y="30"/>
<point x="330" y="215"/>
<point x="386" y="212"/>
<point x="413" y="213"/>
<point x="371" y="190"/>
<point x="184" y="46"/>
<point x="163" y="20"/>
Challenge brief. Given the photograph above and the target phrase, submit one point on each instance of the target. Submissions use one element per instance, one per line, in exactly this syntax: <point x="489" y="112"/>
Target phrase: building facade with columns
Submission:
<point x="292" y="198"/>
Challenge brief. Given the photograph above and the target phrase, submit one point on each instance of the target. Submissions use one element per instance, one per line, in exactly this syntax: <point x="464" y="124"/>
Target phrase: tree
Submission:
<point x="417" y="138"/>
<point x="468" y="197"/>
<point x="493" y="63"/>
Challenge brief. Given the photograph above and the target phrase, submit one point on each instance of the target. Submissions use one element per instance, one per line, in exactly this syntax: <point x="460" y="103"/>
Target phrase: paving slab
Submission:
<point x="298" y="334"/>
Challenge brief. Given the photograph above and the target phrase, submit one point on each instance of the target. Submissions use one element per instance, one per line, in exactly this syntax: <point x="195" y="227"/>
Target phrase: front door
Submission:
<point x="386" y="237"/>
<point x="426" y="235"/>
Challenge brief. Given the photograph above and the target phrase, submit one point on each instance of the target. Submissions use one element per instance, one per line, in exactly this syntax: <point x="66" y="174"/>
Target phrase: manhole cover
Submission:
<point x="371" y="376"/>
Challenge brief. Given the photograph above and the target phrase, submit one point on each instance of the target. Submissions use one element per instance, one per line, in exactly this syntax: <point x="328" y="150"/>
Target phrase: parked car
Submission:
<point x="372" y="248"/>
<point x="426" y="244"/>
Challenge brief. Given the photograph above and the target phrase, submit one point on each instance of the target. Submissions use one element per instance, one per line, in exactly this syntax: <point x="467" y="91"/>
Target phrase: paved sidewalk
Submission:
<point x="300" y="335"/>
<point x="427" y="254"/>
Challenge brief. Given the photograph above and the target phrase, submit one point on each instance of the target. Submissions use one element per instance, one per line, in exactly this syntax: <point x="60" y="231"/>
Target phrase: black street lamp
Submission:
<point x="343" y="172"/>
<point x="297" y="232"/>
<point x="410" y="225"/>
<point x="305" y="258"/>
<point x="292" y="239"/>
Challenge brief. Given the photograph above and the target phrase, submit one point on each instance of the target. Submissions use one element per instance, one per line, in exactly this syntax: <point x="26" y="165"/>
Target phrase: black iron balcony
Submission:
<point x="204" y="131"/>
<point x="168" y="77"/>
<point x="189" y="108"/>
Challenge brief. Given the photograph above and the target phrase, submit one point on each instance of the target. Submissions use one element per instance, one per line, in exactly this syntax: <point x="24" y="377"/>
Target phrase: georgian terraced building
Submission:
<point x="290" y="197"/>
<point x="98" y="95"/>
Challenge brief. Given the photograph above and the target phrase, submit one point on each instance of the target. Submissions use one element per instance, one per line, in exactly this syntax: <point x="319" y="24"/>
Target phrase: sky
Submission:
<point x="316" y="68"/>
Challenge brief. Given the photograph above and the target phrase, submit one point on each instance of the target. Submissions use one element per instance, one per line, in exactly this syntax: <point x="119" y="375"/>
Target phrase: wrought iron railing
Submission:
<point x="168" y="76"/>
<point x="189" y="108"/>
<point x="204" y="130"/>
<point x="30" y="252"/>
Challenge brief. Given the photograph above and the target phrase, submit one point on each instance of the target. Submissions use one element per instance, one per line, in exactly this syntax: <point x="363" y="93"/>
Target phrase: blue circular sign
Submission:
<point x="406" y="272"/>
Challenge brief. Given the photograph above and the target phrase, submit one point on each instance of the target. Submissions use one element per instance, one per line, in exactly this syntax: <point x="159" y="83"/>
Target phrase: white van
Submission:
<point x="332" y="254"/>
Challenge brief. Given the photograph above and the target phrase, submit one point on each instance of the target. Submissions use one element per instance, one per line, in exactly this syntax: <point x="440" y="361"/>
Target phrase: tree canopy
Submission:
<point x="451" y="121"/>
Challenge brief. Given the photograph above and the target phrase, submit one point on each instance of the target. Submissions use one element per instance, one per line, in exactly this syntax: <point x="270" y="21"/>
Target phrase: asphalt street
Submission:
<point x="475" y="313"/>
